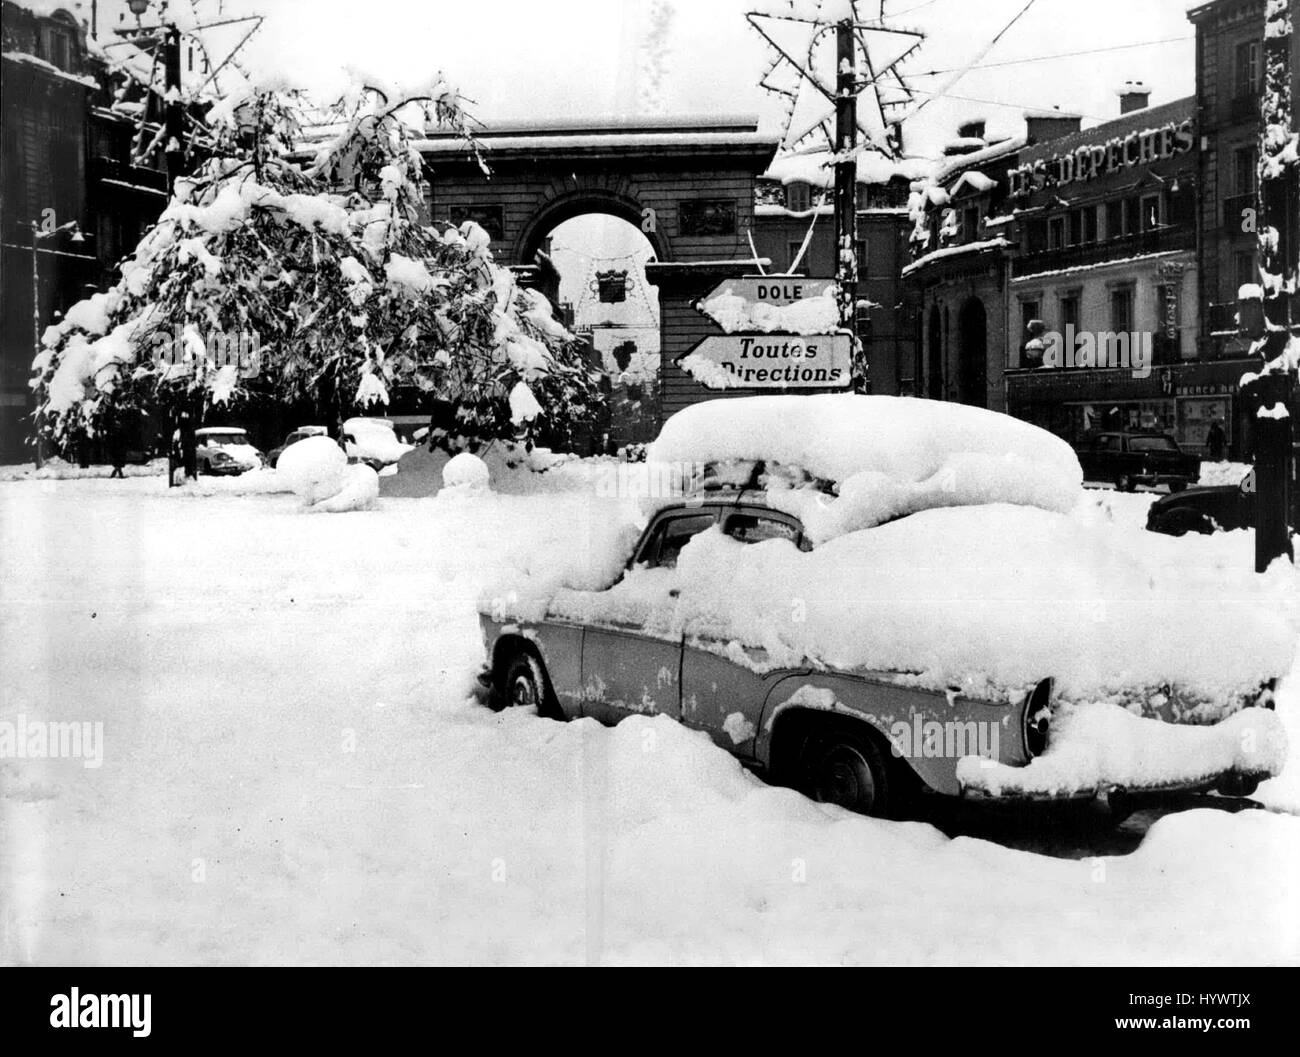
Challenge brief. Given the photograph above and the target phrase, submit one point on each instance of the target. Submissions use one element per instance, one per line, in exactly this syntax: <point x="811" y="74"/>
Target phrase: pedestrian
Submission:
<point x="1216" y="439"/>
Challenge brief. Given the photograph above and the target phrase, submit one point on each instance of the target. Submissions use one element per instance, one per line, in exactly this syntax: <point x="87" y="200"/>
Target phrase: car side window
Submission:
<point x="662" y="549"/>
<point x="755" y="528"/>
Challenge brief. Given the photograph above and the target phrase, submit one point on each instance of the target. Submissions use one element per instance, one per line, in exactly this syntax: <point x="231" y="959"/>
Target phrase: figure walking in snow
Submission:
<point x="1216" y="440"/>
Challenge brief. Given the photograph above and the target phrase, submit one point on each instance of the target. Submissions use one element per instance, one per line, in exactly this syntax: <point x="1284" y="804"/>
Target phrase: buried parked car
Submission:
<point x="301" y="433"/>
<point x="226" y="450"/>
<point x="869" y="597"/>
<point x="373" y="441"/>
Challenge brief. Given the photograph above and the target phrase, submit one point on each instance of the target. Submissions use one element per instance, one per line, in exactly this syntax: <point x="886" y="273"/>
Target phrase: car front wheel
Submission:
<point x="525" y="685"/>
<point x="844" y="767"/>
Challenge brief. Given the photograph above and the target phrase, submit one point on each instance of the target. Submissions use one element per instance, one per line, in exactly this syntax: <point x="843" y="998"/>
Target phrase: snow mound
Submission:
<point x="358" y="491"/>
<point x="314" y="468"/>
<point x="1094" y="746"/>
<point x="886" y="456"/>
<point x="466" y="474"/>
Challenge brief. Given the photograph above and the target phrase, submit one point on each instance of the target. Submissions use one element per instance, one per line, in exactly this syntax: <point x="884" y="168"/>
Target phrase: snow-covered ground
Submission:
<point x="293" y="771"/>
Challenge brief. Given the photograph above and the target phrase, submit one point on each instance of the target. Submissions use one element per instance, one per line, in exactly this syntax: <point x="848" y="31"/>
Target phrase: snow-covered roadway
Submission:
<point x="293" y="772"/>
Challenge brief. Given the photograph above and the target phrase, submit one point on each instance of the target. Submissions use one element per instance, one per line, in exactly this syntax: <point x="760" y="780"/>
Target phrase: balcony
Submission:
<point x="1158" y="240"/>
<point x="126" y="177"/>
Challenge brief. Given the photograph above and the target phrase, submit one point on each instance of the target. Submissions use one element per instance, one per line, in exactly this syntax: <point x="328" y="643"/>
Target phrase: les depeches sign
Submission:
<point x="771" y="361"/>
<point x="1103" y="159"/>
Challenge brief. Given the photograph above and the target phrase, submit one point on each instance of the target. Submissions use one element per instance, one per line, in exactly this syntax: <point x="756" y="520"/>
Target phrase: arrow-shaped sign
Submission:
<point x="770" y="289"/>
<point x="770" y="361"/>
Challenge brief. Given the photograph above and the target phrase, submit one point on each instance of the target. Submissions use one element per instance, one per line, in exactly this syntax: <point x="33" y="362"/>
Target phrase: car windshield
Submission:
<point x="1152" y="444"/>
<point x="226" y="440"/>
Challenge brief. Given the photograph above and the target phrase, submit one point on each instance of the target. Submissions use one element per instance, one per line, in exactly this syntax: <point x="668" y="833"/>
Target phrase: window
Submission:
<point x="1132" y="216"/>
<point x="970" y="224"/>
<point x="1090" y="224"/>
<point x="1245" y="167"/>
<point x="1243" y="268"/>
<point x="58" y="47"/>
<point x="662" y="549"/>
<point x="794" y="247"/>
<point x="1056" y="233"/>
<point x="798" y="197"/>
<point x="1114" y="219"/>
<point x="1150" y="212"/>
<point x="754" y="528"/>
<point x="1151" y="444"/>
<point x="1037" y="236"/>
<point x="1070" y="310"/>
<point x="1247" y="68"/>
<point x="1121" y="309"/>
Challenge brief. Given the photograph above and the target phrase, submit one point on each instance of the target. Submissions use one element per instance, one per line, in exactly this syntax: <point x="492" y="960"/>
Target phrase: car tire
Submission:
<point x="524" y="685"/>
<point x="841" y="764"/>
<point x="1124" y="482"/>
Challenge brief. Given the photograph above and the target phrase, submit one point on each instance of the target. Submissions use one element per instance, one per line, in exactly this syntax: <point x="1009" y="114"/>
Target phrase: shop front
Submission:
<point x="1182" y="400"/>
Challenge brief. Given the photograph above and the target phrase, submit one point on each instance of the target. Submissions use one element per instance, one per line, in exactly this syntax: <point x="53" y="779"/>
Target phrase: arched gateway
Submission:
<point x="686" y="183"/>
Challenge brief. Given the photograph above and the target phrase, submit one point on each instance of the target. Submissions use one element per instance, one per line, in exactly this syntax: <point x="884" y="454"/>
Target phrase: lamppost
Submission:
<point x="40" y="232"/>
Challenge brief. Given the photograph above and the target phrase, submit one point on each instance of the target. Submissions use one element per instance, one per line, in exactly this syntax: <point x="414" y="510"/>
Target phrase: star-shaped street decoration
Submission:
<point x="805" y="71"/>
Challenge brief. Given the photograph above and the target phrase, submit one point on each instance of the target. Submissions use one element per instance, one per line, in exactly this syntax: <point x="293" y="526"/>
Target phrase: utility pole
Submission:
<point x="174" y="125"/>
<point x="846" y="173"/>
<point x="1267" y="395"/>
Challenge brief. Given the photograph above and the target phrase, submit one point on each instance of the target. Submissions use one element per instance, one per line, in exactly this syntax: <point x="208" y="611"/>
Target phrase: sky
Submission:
<point x="556" y="58"/>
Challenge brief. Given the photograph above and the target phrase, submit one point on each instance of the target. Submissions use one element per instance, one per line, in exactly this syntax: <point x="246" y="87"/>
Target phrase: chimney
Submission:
<point x="1134" y="95"/>
<point x="1041" y="126"/>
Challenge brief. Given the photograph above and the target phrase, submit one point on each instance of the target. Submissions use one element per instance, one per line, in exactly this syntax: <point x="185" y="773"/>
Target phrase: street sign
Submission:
<point x="771" y="361"/>
<point x="776" y="290"/>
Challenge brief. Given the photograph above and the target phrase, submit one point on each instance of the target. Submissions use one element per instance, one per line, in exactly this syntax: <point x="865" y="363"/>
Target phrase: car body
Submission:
<point x="826" y="731"/>
<point x="373" y="441"/>
<point x="301" y="433"/>
<point x="226" y="451"/>
<point x="1203" y="509"/>
<point x="1129" y="459"/>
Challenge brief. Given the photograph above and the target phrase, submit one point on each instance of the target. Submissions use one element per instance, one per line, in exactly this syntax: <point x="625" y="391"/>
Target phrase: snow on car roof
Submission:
<point x="885" y="456"/>
<point x="213" y="430"/>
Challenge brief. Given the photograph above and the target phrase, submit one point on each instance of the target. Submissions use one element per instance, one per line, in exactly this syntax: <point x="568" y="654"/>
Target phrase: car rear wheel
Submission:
<point x="844" y="766"/>
<point x="1124" y="482"/>
<point x="1181" y="522"/>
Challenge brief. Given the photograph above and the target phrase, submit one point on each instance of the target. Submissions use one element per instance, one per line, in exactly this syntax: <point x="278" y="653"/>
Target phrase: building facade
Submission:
<point x="67" y="156"/>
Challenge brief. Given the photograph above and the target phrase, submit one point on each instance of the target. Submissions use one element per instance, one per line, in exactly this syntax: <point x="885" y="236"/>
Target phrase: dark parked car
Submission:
<point x="1130" y="459"/>
<point x="1203" y="509"/>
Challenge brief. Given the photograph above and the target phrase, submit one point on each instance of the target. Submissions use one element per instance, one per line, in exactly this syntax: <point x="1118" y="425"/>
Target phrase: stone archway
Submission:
<point x="584" y="202"/>
<point x="972" y="353"/>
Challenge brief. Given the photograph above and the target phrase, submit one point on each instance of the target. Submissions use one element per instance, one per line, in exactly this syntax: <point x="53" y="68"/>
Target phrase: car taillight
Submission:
<point x="1037" y="718"/>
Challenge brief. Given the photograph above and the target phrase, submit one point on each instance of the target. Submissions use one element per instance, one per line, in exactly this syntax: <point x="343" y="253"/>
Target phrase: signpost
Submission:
<point x="771" y="361"/>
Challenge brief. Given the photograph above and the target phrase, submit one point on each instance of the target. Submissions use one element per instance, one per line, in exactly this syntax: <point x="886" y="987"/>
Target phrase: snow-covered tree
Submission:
<point x="277" y="274"/>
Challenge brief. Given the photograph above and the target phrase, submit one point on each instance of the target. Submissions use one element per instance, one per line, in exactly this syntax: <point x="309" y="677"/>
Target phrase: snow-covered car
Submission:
<point x="869" y="597"/>
<point x="226" y="450"/>
<point x="301" y="433"/>
<point x="373" y="441"/>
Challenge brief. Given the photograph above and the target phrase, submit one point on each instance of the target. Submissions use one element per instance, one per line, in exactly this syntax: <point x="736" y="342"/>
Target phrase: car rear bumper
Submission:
<point x="1231" y="782"/>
